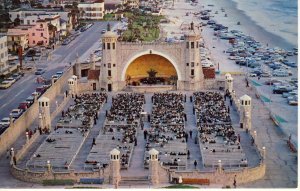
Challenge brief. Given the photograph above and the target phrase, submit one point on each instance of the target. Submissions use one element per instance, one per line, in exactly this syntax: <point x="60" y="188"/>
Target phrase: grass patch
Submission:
<point x="142" y="27"/>
<point x="58" y="182"/>
<point x="109" y="17"/>
<point x="181" y="186"/>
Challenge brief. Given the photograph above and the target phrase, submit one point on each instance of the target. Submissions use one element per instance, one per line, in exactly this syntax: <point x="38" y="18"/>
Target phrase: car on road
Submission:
<point x="36" y="94"/>
<point x="281" y="89"/>
<point x="103" y="31"/>
<point x="5" y="84"/>
<point x="39" y="71"/>
<point x="16" y="113"/>
<point x="41" y="89"/>
<point x="65" y="42"/>
<point x="5" y="122"/>
<point x="265" y="74"/>
<point x="252" y="75"/>
<point x="16" y="76"/>
<point x="24" y="105"/>
<point x="59" y="73"/>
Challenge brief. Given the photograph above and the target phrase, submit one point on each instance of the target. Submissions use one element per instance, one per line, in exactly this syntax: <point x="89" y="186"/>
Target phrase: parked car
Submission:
<point x="5" y="122"/>
<point x="30" y="99"/>
<point x="280" y="73"/>
<point x="280" y="90"/>
<point x="5" y="84"/>
<point x="24" y="105"/>
<point x="103" y="31"/>
<point x="59" y="73"/>
<point x="16" y="113"/>
<point x="288" y="94"/>
<point x="252" y="75"/>
<point x="16" y="76"/>
<point x="41" y="89"/>
<point x="265" y="74"/>
<point x="12" y="80"/>
<point x="39" y="71"/>
<point x="36" y="94"/>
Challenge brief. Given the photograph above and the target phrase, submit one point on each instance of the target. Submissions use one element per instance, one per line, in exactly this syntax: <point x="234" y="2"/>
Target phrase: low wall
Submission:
<point x="38" y="177"/>
<point x="28" y="117"/>
<point x="225" y="178"/>
<point x="150" y="88"/>
<point x="20" y="153"/>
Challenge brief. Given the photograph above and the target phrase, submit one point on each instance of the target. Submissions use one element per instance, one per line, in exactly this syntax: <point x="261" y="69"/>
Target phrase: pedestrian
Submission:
<point x="191" y="99"/>
<point x="62" y="113"/>
<point x="228" y="108"/>
<point x="184" y="98"/>
<point x="234" y="181"/>
<point x="252" y="141"/>
<point x="66" y="93"/>
<point x="239" y="138"/>
<point x="193" y="110"/>
<point x="149" y="118"/>
<point x="142" y="125"/>
<point x="230" y="102"/>
<point x="40" y="130"/>
<point x="15" y="160"/>
<point x="191" y="133"/>
<point x="94" y="141"/>
<point x="145" y="134"/>
<point x="185" y="118"/>
<point x="195" y="164"/>
<point x="188" y="154"/>
<point x="258" y="77"/>
<point x="135" y="141"/>
<point x="225" y="97"/>
<point x="106" y="113"/>
<point x="247" y="83"/>
<point x="7" y="153"/>
<point x="186" y="137"/>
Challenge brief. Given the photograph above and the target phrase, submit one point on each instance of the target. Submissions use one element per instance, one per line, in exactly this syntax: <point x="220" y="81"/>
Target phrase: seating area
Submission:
<point x="84" y="112"/>
<point x="217" y="138"/>
<point x="126" y="108"/>
<point x="120" y="131"/>
<point x="60" y="148"/>
<point x="167" y="133"/>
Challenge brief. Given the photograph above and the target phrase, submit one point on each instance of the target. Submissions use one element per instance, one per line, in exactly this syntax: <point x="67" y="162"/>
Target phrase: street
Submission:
<point x="82" y="46"/>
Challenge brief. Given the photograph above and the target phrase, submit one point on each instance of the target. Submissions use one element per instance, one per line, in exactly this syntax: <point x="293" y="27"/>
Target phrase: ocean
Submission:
<point x="275" y="16"/>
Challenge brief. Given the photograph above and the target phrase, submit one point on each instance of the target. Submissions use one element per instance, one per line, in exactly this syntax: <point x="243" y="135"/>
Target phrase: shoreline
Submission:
<point x="248" y="25"/>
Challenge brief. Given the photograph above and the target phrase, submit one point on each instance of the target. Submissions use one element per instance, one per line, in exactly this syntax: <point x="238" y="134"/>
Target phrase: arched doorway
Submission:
<point x="151" y="69"/>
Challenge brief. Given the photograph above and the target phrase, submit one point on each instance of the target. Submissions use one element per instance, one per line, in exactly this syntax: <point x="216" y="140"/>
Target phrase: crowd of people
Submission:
<point x="85" y="109"/>
<point x="126" y="107"/>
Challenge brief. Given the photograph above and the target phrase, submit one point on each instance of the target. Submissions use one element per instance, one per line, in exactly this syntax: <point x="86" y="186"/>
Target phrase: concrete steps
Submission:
<point x="134" y="180"/>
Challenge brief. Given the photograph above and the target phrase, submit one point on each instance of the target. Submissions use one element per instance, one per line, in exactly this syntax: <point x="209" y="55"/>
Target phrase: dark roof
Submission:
<point x="110" y="6"/>
<point x="93" y="75"/>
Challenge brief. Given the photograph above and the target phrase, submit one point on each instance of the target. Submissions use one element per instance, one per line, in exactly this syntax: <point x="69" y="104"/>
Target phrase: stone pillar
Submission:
<point x="254" y="136"/>
<point x="78" y="69"/>
<point x="12" y="154"/>
<point x="41" y="121"/>
<point x="27" y="137"/>
<point x="219" y="166"/>
<point x="11" y="120"/>
<point x="263" y="153"/>
<point x="44" y="105"/>
<point x="153" y="166"/>
<point x="245" y="112"/>
<point x="48" y="165"/>
<point x="114" y="173"/>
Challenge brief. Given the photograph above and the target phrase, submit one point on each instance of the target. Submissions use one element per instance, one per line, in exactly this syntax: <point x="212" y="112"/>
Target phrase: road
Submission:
<point x="82" y="46"/>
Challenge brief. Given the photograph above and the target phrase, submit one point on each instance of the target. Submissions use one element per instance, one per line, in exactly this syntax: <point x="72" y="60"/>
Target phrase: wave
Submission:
<point x="265" y="12"/>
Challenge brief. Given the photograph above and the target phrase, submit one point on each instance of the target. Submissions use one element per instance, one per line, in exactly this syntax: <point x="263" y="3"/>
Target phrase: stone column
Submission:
<point x="153" y="166"/>
<point x="114" y="173"/>
<point x="219" y="166"/>
<point x="12" y="154"/>
<point x="92" y="61"/>
<point x="230" y="84"/>
<point x="11" y="120"/>
<point x="44" y="105"/>
<point x="245" y="112"/>
<point x="254" y="136"/>
<point x="27" y="137"/>
<point x="41" y="122"/>
<point x="71" y="86"/>
<point x="75" y="83"/>
<point x="227" y="75"/>
<point x="48" y="165"/>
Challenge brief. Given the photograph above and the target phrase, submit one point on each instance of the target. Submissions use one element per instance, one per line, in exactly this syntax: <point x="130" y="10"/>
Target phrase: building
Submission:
<point x="29" y="35"/>
<point x="92" y="10"/>
<point x="134" y="4"/>
<point x="3" y="54"/>
<point x="16" y="38"/>
<point x="125" y="64"/>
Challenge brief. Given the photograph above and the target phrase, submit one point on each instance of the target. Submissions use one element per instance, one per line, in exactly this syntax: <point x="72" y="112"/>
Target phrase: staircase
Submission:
<point x="134" y="180"/>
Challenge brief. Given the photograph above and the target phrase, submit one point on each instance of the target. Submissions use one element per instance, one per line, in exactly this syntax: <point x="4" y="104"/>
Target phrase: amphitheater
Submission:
<point x="107" y="127"/>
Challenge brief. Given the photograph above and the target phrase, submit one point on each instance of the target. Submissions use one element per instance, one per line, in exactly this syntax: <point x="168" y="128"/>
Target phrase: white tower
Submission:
<point x="114" y="174"/>
<point x="153" y="166"/>
<point x="227" y="75"/>
<point x="44" y="107"/>
<point x="71" y="86"/>
<point x="245" y="112"/>
<point x="194" y="77"/>
<point x="108" y="69"/>
<point x="75" y="83"/>
<point x="230" y="84"/>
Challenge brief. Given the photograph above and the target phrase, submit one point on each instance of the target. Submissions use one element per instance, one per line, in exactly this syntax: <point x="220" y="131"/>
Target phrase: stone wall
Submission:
<point x="38" y="177"/>
<point x="28" y="117"/>
<point x="20" y="153"/>
<point x="224" y="177"/>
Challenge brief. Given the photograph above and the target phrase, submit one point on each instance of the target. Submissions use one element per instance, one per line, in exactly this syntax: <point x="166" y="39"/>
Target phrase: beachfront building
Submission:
<point x="91" y="10"/>
<point x="64" y="16"/>
<point x="29" y="35"/>
<point x="3" y="54"/>
<point x="15" y="38"/>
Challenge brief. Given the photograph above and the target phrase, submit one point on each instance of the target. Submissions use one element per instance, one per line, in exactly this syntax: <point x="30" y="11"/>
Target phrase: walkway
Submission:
<point x="94" y="132"/>
<point x="191" y="125"/>
<point x="136" y="167"/>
